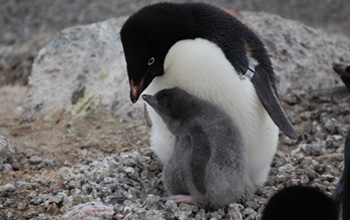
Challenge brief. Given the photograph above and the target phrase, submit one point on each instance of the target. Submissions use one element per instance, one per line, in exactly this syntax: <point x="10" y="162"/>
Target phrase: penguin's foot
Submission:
<point x="182" y="199"/>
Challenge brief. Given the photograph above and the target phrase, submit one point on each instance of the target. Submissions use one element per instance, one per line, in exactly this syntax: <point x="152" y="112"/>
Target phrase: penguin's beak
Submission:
<point x="151" y="100"/>
<point x="341" y="69"/>
<point x="135" y="91"/>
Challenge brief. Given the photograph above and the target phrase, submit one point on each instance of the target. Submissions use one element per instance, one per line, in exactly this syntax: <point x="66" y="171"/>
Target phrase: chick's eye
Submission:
<point x="151" y="61"/>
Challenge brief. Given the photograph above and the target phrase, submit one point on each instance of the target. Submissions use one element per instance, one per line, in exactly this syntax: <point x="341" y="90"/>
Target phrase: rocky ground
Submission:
<point x="100" y="166"/>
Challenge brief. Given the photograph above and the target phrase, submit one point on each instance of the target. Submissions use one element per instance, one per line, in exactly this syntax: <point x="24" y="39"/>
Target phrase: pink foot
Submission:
<point x="182" y="199"/>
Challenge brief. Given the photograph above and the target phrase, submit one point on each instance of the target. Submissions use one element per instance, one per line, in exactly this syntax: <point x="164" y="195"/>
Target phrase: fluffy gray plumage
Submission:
<point x="208" y="162"/>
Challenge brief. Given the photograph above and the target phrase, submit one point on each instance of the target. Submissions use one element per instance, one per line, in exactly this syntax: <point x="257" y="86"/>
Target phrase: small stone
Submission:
<point x="248" y="211"/>
<point x="9" y="187"/>
<point x="9" y="202"/>
<point x="153" y="202"/>
<point x="52" y="208"/>
<point x="49" y="163"/>
<point x="109" y="180"/>
<point x="58" y="199"/>
<point x="35" y="160"/>
<point x="37" y="200"/>
<point x="155" y="165"/>
<point x="182" y="215"/>
<point x="31" y="213"/>
<point x="171" y="204"/>
<point x="32" y="195"/>
<point x="234" y="211"/>
<point x="22" y="206"/>
<point x="130" y="171"/>
<point x="252" y="204"/>
<point x="128" y="161"/>
<point x="5" y="167"/>
<point x="186" y="208"/>
<point x="7" y="151"/>
<point x="294" y="118"/>
<point x="290" y="99"/>
<point x="311" y="149"/>
<point x="200" y="215"/>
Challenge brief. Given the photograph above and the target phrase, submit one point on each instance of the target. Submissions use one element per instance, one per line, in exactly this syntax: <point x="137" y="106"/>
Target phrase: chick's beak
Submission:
<point x="150" y="99"/>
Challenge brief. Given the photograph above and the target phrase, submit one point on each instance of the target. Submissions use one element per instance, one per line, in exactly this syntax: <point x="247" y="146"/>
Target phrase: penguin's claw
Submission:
<point x="182" y="199"/>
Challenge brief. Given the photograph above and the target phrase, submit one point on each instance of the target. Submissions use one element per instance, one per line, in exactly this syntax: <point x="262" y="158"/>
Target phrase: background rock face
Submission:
<point x="26" y="26"/>
<point x="302" y="56"/>
<point x="83" y="68"/>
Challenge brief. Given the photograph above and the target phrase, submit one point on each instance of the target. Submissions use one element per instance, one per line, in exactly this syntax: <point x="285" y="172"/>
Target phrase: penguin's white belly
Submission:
<point x="201" y="68"/>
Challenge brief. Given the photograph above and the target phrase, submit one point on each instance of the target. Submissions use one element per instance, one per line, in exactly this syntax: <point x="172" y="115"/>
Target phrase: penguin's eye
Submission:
<point x="151" y="61"/>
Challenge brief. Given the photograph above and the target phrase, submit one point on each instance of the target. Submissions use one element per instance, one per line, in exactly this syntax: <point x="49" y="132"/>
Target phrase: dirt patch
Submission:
<point x="63" y="141"/>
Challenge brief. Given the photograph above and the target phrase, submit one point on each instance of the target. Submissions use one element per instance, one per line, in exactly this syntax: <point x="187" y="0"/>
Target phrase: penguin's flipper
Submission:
<point x="268" y="98"/>
<point x="337" y="195"/>
<point x="199" y="158"/>
<point x="147" y="117"/>
<point x="346" y="180"/>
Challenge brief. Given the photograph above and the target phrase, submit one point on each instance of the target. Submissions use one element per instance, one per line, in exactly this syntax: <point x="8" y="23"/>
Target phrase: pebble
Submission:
<point x="9" y="187"/>
<point x="31" y="213"/>
<point x="35" y="160"/>
<point x="58" y="199"/>
<point x="50" y="163"/>
<point x="22" y="206"/>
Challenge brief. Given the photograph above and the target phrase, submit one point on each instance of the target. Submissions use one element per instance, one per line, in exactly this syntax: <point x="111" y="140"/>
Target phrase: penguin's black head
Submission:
<point x="147" y="37"/>
<point x="298" y="202"/>
<point x="344" y="72"/>
<point x="170" y="103"/>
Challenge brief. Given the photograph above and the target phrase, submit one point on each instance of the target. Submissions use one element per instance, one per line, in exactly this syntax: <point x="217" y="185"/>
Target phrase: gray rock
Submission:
<point x="35" y="160"/>
<point x="95" y="210"/>
<point x="83" y="67"/>
<point x="7" y="153"/>
<point x="302" y="56"/>
<point x="9" y="187"/>
<point x="50" y="163"/>
<point x="31" y="213"/>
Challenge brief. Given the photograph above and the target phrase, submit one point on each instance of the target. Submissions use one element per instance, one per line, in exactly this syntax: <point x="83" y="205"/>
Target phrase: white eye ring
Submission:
<point x="151" y="61"/>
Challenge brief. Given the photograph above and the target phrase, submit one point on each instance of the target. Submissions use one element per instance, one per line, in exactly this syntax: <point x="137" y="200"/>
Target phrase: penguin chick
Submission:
<point x="210" y="54"/>
<point x="208" y="166"/>
<point x="341" y="195"/>
<point x="301" y="203"/>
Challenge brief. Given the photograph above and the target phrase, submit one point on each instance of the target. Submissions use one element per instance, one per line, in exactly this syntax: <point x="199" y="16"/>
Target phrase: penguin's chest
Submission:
<point x="201" y="68"/>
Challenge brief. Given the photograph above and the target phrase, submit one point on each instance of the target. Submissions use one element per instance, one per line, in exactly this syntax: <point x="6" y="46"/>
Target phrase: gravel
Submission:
<point x="128" y="185"/>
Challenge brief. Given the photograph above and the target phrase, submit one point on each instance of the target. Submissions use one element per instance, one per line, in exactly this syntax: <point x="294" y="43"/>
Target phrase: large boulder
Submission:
<point x="302" y="56"/>
<point x="83" y="68"/>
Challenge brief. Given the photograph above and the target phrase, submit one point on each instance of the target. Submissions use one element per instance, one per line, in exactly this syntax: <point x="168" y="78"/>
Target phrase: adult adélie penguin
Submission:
<point x="341" y="195"/>
<point x="210" y="54"/>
